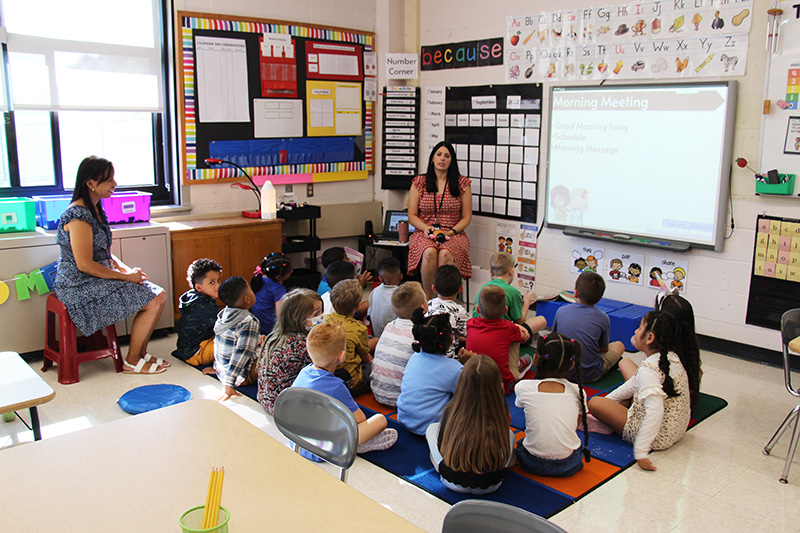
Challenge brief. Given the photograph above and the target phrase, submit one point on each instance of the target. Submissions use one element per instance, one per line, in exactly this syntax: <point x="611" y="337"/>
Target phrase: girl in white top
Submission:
<point x="553" y="409"/>
<point x="652" y="408"/>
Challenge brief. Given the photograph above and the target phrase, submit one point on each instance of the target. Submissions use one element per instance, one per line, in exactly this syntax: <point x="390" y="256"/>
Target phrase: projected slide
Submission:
<point x="638" y="160"/>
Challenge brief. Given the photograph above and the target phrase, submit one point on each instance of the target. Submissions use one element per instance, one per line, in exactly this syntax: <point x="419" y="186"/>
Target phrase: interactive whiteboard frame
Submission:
<point x="638" y="237"/>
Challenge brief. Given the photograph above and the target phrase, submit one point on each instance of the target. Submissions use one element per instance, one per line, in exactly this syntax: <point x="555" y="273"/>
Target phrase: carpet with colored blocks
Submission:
<point x="409" y="458"/>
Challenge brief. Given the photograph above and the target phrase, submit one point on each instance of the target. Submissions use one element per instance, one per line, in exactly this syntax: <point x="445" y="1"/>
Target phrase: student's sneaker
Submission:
<point x="525" y="364"/>
<point x="382" y="441"/>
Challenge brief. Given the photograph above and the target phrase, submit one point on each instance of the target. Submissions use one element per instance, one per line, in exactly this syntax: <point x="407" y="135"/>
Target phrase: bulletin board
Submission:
<point x="495" y="130"/>
<point x="775" y="280"/>
<point x="280" y="99"/>
<point x="780" y="143"/>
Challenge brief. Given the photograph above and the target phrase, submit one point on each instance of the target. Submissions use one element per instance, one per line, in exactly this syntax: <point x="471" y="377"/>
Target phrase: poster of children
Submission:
<point x="526" y="256"/>
<point x="624" y="267"/>
<point x="585" y="257"/>
<point x="673" y="272"/>
<point x="519" y="240"/>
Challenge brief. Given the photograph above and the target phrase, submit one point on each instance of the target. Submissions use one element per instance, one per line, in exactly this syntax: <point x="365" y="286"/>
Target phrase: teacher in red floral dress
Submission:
<point x="440" y="199"/>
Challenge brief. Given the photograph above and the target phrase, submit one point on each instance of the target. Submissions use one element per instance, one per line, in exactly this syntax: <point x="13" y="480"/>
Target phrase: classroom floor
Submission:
<point x="715" y="479"/>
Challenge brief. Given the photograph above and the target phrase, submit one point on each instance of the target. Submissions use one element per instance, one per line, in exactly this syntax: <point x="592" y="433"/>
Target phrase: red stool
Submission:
<point x="62" y="340"/>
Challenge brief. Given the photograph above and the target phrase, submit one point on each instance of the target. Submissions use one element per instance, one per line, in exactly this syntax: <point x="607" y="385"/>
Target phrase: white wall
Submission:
<point x="719" y="282"/>
<point x="208" y="199"/>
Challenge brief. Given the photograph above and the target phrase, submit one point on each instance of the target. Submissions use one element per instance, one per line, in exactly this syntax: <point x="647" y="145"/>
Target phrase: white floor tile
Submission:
<point x="715" y="479"/>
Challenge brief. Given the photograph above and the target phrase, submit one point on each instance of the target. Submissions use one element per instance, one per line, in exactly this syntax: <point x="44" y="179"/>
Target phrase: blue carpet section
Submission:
<point x="409" y="458"/>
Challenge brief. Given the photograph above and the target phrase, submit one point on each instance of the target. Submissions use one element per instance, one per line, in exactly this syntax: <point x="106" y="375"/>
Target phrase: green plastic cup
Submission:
<point x="192" y="520"/>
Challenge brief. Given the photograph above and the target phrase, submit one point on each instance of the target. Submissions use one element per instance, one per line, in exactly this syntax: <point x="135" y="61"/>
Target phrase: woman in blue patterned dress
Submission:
<point x="96" y="287"/>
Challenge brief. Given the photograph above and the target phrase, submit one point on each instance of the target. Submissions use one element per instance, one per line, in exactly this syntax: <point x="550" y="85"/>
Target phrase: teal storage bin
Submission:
<point x="784" y="187"/>
<point x="17" y="214"/>
<point x="50" y="208"/>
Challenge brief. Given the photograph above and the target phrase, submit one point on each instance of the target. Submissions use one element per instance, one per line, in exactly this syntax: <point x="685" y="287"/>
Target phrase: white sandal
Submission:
<point x="128" y="368"/>
<point x="156" y="361"/>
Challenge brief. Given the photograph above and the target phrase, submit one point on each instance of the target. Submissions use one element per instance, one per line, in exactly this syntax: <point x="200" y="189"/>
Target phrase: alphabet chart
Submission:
<point x="495" y="131"/>
<point x="774" y="282"/>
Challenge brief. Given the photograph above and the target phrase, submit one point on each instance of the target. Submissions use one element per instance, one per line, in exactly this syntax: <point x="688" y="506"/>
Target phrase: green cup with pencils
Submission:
<point x="211" y="517"/>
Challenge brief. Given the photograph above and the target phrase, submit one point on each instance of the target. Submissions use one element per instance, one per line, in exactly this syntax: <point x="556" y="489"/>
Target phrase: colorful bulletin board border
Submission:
<point x="638" y="40"/>
<point x="189" y="21"/>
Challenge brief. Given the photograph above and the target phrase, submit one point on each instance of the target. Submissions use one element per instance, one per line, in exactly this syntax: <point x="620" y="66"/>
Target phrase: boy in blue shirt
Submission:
<point x="326" y="346"/>
<point x="589" y="325"/>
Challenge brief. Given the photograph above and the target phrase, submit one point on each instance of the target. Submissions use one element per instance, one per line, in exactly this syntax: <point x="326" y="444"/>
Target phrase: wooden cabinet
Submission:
<point x="238" y="244"/>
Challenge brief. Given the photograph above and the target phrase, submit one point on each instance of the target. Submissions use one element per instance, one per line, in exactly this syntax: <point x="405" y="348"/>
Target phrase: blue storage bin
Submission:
<point x="50" y="208"/>
<point x="624" y="322"/>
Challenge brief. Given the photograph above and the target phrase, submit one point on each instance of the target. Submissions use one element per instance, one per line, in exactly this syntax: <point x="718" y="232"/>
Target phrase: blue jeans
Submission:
<point x="549" y="467"/>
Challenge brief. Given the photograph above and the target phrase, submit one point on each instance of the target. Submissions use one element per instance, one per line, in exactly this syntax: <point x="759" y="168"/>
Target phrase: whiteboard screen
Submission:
<point x="644" y="160"/>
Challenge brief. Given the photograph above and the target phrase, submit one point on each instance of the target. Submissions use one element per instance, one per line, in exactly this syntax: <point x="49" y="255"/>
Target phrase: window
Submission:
<point x="85" y="77"/>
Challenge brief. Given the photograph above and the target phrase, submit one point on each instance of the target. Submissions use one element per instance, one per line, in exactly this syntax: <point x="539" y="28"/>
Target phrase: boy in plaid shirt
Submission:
<point x="237" y="336"/>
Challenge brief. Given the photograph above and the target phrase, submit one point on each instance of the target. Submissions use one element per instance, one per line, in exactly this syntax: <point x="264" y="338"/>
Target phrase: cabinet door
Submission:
<point x="22" y="322"/>
<point x="188" y="246"/>
<point x="151" y="254"/>
<point x="250" y="245"/>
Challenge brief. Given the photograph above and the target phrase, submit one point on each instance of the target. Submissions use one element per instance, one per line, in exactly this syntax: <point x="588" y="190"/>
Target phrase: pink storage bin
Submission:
<point x="127" y="207"/>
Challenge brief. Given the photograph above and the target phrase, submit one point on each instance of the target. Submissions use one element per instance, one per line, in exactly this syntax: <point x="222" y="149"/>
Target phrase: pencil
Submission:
<point x="217" y="498"/>
<point x="208" y="515"/>
<point x="208" y="498"/>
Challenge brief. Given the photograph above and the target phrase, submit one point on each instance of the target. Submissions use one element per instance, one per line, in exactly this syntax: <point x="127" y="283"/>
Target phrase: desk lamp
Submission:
<point x="247" y="214"/>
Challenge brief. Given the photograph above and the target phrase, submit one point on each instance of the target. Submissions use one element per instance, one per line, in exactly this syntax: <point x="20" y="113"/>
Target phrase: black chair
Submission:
<point x="790" y="340"/>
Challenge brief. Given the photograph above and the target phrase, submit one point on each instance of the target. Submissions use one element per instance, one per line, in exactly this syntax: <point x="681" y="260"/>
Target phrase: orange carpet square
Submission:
<point x="592" y="474"/>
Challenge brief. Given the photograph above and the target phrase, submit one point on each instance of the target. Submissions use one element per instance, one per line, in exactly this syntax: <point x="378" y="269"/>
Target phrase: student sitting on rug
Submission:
<point x="326" y="346"/>
<point x="652" y="408"/>
<point x="502" y="266"/>
<point x="394" y="346"/>
<point x="237" y="339"/>
<point x="430" y="377"/>
<point x="199" y="310"/>
<point x="553" y="407"/>
<point x="380" y="299"/>
<point x="339" y="271"/>
<point x="284" y="353"/>
<point x="446" y="286"/>
<point x="335" y="253"/>
<point x="590" y="326"/>
<point x="492" y="335"/>
<point x="472" y="446"/>
<point x="355" y="369"/>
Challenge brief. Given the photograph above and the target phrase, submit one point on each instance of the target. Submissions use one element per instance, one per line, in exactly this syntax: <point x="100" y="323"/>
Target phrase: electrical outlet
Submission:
<point x="288" y="188"/>
<point x="310" y="190"/>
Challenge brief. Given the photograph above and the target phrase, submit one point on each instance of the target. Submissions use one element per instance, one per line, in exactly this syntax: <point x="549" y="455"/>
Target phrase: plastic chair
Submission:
<point x="320" y="424"/>
<point x="62" y="341"/>
<point x="483" y="516"/>
<point x="790" y="339"/>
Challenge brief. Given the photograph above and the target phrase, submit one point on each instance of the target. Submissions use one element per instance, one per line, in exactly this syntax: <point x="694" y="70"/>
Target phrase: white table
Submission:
<point x="140" y="474"/>
<point x="21" y="387"/>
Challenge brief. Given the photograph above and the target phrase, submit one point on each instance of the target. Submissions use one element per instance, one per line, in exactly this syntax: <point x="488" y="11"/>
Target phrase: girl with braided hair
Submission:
<point x="652" y="408"/>
<point x="430" y="377"/>
<point x="554" y="408"/>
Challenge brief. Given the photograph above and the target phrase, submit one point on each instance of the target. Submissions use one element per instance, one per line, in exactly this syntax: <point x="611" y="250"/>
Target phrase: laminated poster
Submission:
<point x="674" y="273"/>
<point x="638" y="40"/>
<point x="586" y="257"/>
<point x="624" y="267"/>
